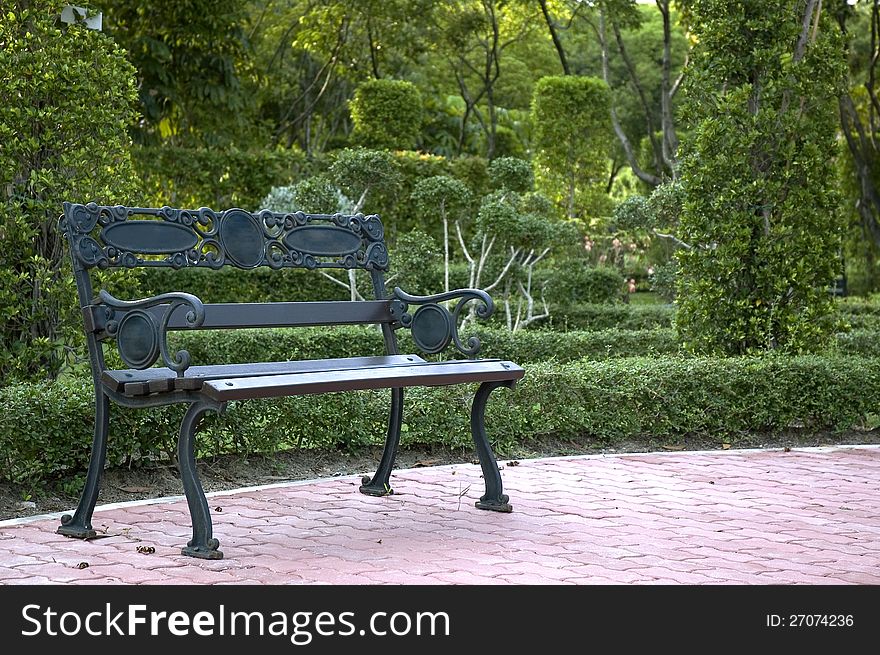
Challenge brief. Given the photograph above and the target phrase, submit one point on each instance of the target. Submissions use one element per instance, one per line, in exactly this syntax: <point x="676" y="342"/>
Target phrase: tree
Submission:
<point x="860" y="124"/>
<point x="67" y="98"/>
<point x="760" y="210"/>
<point x="572" y="141"/>
<point x="191" y="58"/>
<point x="628" y="35"/>
<point x="448" y="197"/>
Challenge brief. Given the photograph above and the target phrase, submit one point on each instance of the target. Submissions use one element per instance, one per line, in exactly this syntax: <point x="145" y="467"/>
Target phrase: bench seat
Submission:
<point x="134" y="382"/>
<point x="424" y="374"/>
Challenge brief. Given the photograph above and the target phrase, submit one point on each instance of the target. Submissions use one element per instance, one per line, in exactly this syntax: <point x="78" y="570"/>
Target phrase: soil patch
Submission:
<point x="235" y="471"/>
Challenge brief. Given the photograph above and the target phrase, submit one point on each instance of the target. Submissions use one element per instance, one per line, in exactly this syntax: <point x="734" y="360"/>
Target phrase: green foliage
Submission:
<point x="416" y="261"/>
<point x="235" y="285"/>
<point x="443" y="195"/>
<point x="572" y="281"/>
<point x="511" y="174"/>
<point x="606" y="316"/>
<point x="387" y="114"/>
<point x="760" y="208"/>
<point x="313" y="195"/>
<point x="219" y="178"/>
<point x="572" y="141"/>
<point x="358" y="171"/>
<point x="67" y="97"/>
<point x="864" y="342"/>
<point x="591" y="401"/>
<point x="191" y="58"/>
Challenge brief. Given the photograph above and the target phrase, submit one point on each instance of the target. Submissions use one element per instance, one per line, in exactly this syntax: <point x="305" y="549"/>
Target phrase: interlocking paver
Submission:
<point x="809" y="516"/>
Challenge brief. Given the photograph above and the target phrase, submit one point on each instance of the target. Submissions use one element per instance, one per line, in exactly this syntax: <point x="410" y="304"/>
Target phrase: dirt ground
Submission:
<point x="231" y="472"/>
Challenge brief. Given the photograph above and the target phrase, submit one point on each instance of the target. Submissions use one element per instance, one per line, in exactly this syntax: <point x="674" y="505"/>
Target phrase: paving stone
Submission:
<point x="811" y="516"/>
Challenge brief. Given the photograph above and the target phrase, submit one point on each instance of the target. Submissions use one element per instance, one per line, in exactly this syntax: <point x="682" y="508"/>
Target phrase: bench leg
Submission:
<point x="202" y="544"/>
<point x="494" y="499"/>
<point x="378" y="484"/>
<point x="80" y="524"/>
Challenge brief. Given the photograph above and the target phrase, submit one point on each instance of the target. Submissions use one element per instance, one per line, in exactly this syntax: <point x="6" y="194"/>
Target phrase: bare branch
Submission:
<point x="513" y="255"/>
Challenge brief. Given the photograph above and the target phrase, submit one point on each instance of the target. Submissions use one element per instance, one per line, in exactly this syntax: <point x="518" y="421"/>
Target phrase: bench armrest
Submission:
<point x="432" y="325"/>
<point x="147" y="331"/>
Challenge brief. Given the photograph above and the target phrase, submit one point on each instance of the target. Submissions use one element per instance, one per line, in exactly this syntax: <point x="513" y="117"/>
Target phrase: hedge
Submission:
<point x="865" y="343"/>
<point x="604" y="317"/>
<point x="45" y="429"/>
<point x="239" y="346"/>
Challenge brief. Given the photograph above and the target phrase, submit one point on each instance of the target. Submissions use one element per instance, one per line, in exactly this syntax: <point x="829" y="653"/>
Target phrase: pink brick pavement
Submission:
<point x="808" y="516"/>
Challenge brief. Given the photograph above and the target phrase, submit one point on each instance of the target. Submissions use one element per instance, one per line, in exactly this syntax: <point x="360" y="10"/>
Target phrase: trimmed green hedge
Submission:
<point x="240" y="346"/>
<point x="865" y="343"/>
<point x="45" y="429"/>
<point x="605" y="317"/>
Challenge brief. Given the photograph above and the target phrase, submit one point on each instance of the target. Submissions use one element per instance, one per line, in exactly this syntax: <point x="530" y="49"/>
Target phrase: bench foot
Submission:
<point x="380" y="489"/>
<point x="494" y="499"/>
<point x="495" y="504"/>
<point x="79" y="526"/>
<point x="78" y="531"/>
<point x="202" y="545"/>
<point x="204" y="551"/>
<point x="378" y="484"/>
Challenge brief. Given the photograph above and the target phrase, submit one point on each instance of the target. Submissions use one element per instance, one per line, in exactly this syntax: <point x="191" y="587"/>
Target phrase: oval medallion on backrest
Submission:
<point x="242" y="238"/>
<point x="323" y="240"/>
<point x="149" y="237"/>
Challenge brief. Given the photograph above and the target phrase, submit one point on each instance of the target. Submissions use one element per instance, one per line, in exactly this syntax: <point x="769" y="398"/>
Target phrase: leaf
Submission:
<point x="725" y="446"/>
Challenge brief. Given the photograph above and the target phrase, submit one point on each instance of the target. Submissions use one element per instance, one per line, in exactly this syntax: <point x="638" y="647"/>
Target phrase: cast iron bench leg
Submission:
<point x="202" y="545"/>
<point x="378" y="485"/>
<point x="494" y="499"/>
<point x="80" y="524"/>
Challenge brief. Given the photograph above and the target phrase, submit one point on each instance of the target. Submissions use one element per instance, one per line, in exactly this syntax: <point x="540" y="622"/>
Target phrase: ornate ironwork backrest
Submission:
<point x="116" y="236"/>
<point x="131" y="237"/>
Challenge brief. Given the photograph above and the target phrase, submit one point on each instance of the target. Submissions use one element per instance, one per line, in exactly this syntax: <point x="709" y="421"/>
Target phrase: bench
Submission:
<point x="128" y="237"/>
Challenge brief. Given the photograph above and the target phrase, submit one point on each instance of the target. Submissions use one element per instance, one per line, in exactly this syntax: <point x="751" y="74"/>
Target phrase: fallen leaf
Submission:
<point x="786" y="449"/>
<point x="426" y="462"/>
<point x="82" y="565"/>
<point x="146" y="550"/>
<point x="725" y="446"/>
<point x="218" y="509"/>
<point x="677" y="447"/>
<point x="513" y="463"/>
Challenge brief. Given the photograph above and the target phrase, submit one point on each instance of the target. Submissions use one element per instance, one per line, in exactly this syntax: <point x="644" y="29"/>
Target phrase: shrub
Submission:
<point x="589" y="401"/>
<point x="571" y="117"/>
<point x="67" y="97"/>
<point x="219" y="178"/>
<point x="604" y="317"/>
<point x="572" y="281"/>
<point x="387" y="114"/>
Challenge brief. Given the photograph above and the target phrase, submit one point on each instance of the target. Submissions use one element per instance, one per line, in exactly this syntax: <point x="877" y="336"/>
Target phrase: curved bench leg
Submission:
<point x="80" y="524"/>
<point x="378" y="484"/>
<point x="494" y="499"/>
<point x="202" y="544"/>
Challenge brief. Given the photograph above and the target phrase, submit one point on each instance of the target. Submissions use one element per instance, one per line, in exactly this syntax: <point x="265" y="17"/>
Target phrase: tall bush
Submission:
<point x="760" y="210"/>
<point x="572" y="135"/>
<point x="387" y="114"/>
<point x="67" y="97"/>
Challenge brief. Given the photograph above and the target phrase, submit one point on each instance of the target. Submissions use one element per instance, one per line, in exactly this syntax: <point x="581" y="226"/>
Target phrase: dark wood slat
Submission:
<point x="135" y="382"/>
<point x="161" y="385"/>
<point x="222" y="316"/>
<point x="426" y="374"/>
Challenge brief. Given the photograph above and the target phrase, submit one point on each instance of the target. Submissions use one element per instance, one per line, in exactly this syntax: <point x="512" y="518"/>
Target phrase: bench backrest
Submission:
<point x="130" y="237"/>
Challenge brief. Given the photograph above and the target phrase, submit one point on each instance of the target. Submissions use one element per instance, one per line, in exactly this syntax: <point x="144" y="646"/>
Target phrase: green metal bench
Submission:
<point x="129" y="237"/>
